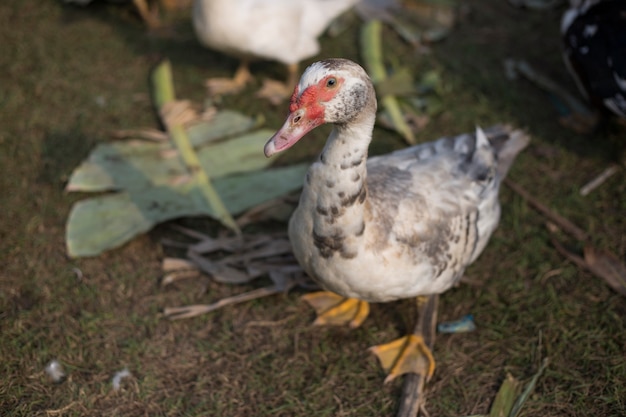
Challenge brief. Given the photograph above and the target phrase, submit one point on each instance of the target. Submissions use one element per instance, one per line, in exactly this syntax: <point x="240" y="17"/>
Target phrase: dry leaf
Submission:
<point x="250" y="257"/>
<point x="607" y="266"/>
<point x="175" y="264"/>
<point x="601" y="263"/>
<point x="219" y="271"/>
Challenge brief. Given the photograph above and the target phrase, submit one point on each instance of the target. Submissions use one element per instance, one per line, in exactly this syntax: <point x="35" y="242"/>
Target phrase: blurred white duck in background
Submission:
<point x="401" y="225"/>
<point x="279" y="30"/>
<point x="594" y="41"/>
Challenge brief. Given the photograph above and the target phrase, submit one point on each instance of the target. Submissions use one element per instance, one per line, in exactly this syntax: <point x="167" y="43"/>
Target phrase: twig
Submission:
<point x="560" y="221"/>
<point x="597" y="181"/>
<point x="412" y="399"/>
<point x="175" y="313"/>
<point x="61" y="410"/>
<point x="578" y="260"/>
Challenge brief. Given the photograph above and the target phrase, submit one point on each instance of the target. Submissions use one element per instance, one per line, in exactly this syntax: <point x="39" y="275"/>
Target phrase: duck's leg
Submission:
<point x="221" y="86"/>
<point x="149" y="16"/>
<point x="334" y="309"/>
<point x="411" y="353"/>
<point x="276" y="91"/>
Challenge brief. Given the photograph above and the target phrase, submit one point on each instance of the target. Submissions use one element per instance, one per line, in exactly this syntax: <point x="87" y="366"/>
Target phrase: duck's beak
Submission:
<point x="297" y="125"/>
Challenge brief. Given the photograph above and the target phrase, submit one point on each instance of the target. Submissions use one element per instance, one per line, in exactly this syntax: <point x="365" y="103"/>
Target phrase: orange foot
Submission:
<point x="223" y="86"/>
<point x="405" y="355"/>
<point x="274" y="91"/>
<point x="336" y="310"/>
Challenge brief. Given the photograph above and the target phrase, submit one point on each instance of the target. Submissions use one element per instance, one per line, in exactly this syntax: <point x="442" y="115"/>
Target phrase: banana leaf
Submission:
<point x="108" y="221"/>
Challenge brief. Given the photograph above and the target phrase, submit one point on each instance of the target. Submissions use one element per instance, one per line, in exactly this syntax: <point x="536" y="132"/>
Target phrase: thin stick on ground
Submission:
<point x="599" y="180"/>
<point x="412" y="399"/>
<point x="560" y="221"/>
<point x="176" y="313"/>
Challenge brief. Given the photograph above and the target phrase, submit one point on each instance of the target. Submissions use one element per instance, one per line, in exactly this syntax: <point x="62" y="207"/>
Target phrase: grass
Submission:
<point x="70" y="76"/>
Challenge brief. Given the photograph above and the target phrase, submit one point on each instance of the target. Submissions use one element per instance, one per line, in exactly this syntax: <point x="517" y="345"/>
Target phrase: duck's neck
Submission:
<point x="340" y="176"/>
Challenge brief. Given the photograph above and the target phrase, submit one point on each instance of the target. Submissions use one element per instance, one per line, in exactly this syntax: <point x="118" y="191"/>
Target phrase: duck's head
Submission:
<point x="330" y="91"/>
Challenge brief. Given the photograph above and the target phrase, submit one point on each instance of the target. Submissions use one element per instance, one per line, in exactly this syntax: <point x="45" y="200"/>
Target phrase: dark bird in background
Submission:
<point x="594" y="41"/>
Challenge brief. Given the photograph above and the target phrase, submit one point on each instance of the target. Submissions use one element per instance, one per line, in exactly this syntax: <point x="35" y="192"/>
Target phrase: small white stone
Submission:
<point x="55" y="371"/>
<point x="117" y="378"/>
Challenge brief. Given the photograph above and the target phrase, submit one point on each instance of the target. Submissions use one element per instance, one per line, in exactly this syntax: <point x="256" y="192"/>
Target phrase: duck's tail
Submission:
<point x="507" y="142"/>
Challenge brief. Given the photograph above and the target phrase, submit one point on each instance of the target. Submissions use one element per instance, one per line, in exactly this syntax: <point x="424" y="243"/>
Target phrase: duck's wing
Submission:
<point x="461" y="165"/>
<point x="443" y="191"/>
<point x="465" y="160"/>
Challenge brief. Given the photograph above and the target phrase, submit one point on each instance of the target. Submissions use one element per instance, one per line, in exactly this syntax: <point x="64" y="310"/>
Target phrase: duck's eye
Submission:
<point x="331" y="82"/>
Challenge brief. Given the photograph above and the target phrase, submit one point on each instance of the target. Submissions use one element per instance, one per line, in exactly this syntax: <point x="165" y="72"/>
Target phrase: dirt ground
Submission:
<point x="69" y="76"/>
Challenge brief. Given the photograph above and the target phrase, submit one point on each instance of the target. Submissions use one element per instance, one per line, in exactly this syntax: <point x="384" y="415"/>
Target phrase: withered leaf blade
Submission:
<point x="210" y="245"/>
<point x="272" y="248"/>
<point x="607" y="266"/>
<point x="174" y="264"/>
<point x="219" y="271"/>
<point x="250" y="257"/>
<point x="174" y="276"/>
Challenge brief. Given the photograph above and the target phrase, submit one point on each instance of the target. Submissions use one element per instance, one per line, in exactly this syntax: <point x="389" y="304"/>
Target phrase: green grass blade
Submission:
<point x="505" y="398"/>
<point x="528" y="389"/>
<point x="371" y="48"/>
<point x="162" y="84"/>
<point x="189" y="156"/>
<point x="163" y="91"/>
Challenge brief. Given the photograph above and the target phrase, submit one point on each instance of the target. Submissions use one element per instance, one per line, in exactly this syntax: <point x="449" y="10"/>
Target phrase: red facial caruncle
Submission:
<point x="306" y="112"/>
<point x="312" y="97"/>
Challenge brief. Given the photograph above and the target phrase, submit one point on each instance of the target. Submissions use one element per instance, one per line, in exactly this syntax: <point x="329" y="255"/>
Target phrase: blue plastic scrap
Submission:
<point x="463" y="325"/>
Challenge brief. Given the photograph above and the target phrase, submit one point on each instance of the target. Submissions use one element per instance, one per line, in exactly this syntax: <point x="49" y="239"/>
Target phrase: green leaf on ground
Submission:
<point x="211" y="166"/>
<point x="505" y="398"/>
<point x="105" y="222"/>
<point x="134" y="165"/>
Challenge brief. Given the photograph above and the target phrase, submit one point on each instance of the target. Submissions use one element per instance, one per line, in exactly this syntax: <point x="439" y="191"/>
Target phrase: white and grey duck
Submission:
<point x="279" y="30"/>
<point x="396" y="226"/>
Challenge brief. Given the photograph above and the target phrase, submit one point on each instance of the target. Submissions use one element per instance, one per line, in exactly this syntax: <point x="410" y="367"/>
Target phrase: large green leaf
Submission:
<point x="183" y="177"/>
<point x="135" y="165"/>
<point x="105" y="222"/>
<point x="224" y="124"/>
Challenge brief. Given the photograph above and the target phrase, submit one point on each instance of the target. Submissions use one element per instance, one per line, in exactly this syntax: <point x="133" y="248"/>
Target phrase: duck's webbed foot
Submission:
<point x="333" y="309"/>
